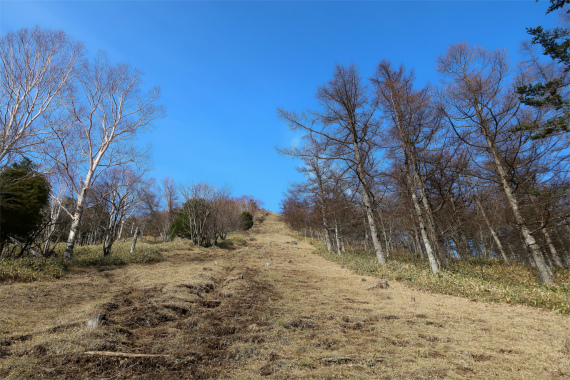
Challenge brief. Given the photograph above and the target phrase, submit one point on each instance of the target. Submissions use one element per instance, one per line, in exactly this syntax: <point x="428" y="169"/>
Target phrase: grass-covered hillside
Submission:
<point x="476" y="279"/>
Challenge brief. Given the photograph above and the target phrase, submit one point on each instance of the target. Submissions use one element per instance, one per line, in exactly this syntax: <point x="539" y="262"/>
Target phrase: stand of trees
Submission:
<point x="69" y="171"/>
<point x="74" y="117"/>
<point x="209" y="213"/>
<point x="475" y="167"/>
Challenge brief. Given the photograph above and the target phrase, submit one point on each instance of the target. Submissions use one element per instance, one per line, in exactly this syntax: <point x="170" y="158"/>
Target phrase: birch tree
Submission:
<point x="36" y="65"/>
<point x="106" y="109"/>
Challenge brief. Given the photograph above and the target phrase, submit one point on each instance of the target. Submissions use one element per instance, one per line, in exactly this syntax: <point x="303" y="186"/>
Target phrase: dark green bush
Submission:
<point x="192" y="209"/>
<point x="246" y="220"/>
<point x="23" y="195"/>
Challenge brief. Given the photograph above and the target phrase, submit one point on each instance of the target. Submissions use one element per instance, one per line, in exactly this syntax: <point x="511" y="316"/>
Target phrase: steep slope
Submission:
<point x="269" y="309"/>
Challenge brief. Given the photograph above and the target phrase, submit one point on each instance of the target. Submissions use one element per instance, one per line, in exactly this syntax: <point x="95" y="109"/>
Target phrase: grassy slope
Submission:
<point x="478" y="280"/>
<point x="269" y="309"/>
<point x="33" y="269"/>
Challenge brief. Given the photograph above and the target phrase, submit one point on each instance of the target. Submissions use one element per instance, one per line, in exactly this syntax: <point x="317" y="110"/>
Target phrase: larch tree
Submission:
<point x="347" y="122"/>
<point x="411" y="115"/>
<point x="319" y="179"/>
<point x="480" y="105"/>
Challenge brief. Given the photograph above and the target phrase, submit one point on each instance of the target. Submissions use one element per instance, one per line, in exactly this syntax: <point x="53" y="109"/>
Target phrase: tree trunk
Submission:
<point x="538" y="257"/>
<point x="513" y="256"/>
<point x="418" y="244"/>
<point x="493" y="233"/>
<point x="107" y="250"/>
<point x="553" y="252"/>
<point x="327" y="237"/>
<point x="423" y="230"/>
<point x="563" y="257"/>
<point x="484" y="247"/>
<point x="324" y="213"/>
<point x="75" y="222"/>
<point x="365" y="193"/>
<point x="366" y="246"/>
<point x="135" y="237"/>
<point x="336" y="236"/>
<point x="416" y="183"/>
<point x="429" y="219"/>
<point x="380" y="256"/>
<point x="79" y="207"/>
<point x="121" y="229"/>
<point x="385" y="235"/>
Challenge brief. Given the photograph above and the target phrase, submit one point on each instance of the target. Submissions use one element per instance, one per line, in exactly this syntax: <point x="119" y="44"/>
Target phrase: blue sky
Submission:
<point x="224" y="67"/>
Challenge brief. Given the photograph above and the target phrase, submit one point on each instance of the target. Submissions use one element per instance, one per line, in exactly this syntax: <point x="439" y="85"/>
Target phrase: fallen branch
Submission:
<point x="25" y="248"/>
<point x="337" y="359"/>
<point x="124" y="354"/>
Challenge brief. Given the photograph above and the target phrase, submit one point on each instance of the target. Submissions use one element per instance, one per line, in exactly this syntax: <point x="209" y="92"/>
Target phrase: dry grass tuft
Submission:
<point x="120" y="255"/>
<point x="147" y="252"/>
<point x="31" y="269"/>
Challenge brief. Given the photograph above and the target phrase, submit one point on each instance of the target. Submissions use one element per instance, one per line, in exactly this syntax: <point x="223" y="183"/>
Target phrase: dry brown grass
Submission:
<point x="300" y="317"/>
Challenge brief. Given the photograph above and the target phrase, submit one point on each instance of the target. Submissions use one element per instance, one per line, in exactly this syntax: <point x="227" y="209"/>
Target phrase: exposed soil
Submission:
<point x="271" y="309"/>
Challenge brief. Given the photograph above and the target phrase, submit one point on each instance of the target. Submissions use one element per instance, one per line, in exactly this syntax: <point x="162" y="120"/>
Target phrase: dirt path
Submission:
<point x="270" y="309"/>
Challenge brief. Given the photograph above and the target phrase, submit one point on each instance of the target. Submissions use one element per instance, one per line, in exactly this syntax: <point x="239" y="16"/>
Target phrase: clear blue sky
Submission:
<point x="224" y="67"/>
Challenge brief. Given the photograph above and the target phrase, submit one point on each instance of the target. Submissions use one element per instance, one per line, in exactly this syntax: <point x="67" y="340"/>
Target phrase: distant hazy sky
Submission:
<point x="224" y="67"/>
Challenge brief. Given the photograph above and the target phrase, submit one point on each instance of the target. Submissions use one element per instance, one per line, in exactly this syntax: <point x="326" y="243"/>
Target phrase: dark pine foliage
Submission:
<point x="246" y="220"/>
<point x="24" y="193"/>
<point x="555" y="43"/>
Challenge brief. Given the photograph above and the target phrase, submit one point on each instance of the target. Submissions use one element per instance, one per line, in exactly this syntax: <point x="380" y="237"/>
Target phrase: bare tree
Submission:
<point x="208" y="213"/>
<point x="250" y="204"/>
<point x="480" y="105"/>
<point x="54" y="215"/>
<point x="319" y="179"/>
<point x="106" y="109"/>
<point x="346" y="122"/>
<point x="118" y="190"/>
<point x="488" y="223"/>
<point x="35" y="67"/>
<point x="149" y="220"/>
<point x="169" y="193"/>
<point x="414" y="124"/>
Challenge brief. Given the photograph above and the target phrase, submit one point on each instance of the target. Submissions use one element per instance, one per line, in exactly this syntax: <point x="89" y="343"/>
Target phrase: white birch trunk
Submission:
<point x="135" y="237"/>
<point x="75" y="222"/>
